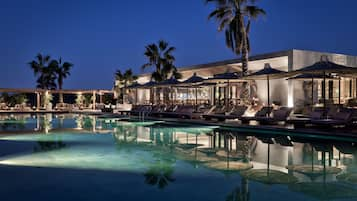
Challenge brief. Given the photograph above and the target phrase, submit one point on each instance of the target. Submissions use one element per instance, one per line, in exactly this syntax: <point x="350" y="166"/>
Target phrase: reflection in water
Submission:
<point x="49" y="145"/>
<point x="240" y="193"/>
<point x="162" y="153"/>
<point x="160" y="173"/>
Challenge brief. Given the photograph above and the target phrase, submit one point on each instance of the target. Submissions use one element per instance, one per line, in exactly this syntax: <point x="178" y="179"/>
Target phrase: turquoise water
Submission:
<point x="77" y="157"/>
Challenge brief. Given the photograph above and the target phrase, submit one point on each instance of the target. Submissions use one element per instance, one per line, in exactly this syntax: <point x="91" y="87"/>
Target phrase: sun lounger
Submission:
<point x="306" y="120"/>
<point x="191" y="113"/>
<point x="263" y="112"/>
<point x="217" y="110"/>
<point x="235" y="113"/>
<point x="140" y="109"/>
<point x="168" y="111"/>
<point x="341" y="118"/>
<point x="157" y="110"/>
<point x="184" y="111"/>
<point x="279" y="115"/>
<point x="284" y="141"/>
<point x="199" y="112"/>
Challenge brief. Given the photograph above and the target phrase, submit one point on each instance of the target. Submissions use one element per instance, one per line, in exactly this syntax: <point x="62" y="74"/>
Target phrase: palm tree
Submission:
<point x="160" y="176"/>
<point x="125" y="79"/>
<point x="234" y="17"/>
<point x="62" y="70"/>
<point x="160" y="57"/>
<point x="45" y="73"/>
<point x="47" y="79"/>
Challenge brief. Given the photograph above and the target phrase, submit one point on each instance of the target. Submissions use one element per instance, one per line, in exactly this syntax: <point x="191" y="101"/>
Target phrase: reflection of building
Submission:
<point x="282" y="91"/>
<point x="284" y="151"/>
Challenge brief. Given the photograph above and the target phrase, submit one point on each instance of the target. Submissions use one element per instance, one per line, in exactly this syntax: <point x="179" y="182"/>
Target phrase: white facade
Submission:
<point x="288" y="93"/>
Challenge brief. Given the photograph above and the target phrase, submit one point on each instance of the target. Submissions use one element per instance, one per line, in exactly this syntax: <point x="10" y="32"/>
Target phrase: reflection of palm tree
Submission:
<point x="49" y="145"/>
<point x="240" y="193"/>
<point x="159" y="176"/>
<point x="87" y="122"/>
<point x="123" y="133"/>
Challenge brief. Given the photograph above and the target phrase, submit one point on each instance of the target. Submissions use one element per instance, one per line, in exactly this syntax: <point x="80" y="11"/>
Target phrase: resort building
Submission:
<point x="283" y="91"/>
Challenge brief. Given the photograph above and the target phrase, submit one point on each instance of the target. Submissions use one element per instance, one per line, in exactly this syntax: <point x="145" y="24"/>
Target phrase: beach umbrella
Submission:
<point x="194" y="80"/>
<point x="227" y="78"/>
<point x="325" y="67"/>
<point x="266" y="73"/>
<point x="169" y="83"/>
<point x="311" y="77"/>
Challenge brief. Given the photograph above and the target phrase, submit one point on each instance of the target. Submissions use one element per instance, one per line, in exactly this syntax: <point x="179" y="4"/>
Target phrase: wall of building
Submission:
<point x="286" y="92"/>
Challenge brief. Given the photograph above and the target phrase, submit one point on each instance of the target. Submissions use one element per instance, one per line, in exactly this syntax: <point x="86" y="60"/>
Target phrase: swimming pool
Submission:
<point x="78" y="157"/>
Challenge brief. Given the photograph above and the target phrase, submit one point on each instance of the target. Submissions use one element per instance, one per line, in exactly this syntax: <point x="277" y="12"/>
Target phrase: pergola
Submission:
<point x="38" y="92"/>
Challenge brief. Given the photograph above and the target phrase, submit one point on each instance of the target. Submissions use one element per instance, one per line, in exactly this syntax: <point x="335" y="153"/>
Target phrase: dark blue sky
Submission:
<point x="100" y="36"/>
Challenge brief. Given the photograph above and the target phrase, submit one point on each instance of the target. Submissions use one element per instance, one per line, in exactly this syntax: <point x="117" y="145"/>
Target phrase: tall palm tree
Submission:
<point x="160" y="57"/>
<point x="62" y="70"/>
<point x="125" y="79"/>
<point x="43" y="71"/>
<point x="47" y="79"/>
<point x="234" y="17"/>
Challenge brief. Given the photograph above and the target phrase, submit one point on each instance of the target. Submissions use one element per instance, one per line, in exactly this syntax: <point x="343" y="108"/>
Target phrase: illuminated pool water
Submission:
<point x="76" y="157"/>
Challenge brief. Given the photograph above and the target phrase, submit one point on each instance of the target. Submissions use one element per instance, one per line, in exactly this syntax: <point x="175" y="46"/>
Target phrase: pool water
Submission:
<point x="78" y="157"/>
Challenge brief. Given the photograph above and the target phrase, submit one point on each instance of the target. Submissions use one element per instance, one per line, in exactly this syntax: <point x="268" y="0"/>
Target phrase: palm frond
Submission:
<point x="163" y="45"/>
<point x="254" y="12"/>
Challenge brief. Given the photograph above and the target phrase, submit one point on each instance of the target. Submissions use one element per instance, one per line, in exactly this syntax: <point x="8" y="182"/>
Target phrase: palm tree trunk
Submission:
<point x="245" y="59"/>
<point x="60" y="83"/>
<point x="245" y="55"/>
<point x="245" y="46"/>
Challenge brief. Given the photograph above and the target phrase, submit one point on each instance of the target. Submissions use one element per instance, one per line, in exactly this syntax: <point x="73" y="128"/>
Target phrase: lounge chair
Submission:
<point x="139" y="110"/>
<point x="279" y="115"/>
<point x="263" y="112"/>
<point x="341" y="118"/>
<point x="185" y="112"/>
<point x="168" y="111"/>
<point x="284" y="141"/>
<point x="157" y="110"/>
<point x="302" y="121"/>
<point x="236" y="113"/>
<point x="191" y="113"/>
<point x="217" y="110"/>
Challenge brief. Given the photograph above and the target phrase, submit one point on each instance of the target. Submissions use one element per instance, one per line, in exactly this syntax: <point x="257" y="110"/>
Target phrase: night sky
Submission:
<point x="100" y="36"/>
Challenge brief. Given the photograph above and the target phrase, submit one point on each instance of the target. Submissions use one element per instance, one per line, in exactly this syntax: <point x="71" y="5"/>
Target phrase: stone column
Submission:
<point x="38" y="101"/>
<point x="100" y="98"/>
<point x="94" y="99"/>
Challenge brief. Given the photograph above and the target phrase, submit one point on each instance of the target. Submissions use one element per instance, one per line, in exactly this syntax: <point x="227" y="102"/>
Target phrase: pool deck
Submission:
<point x="89" y="112"/>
